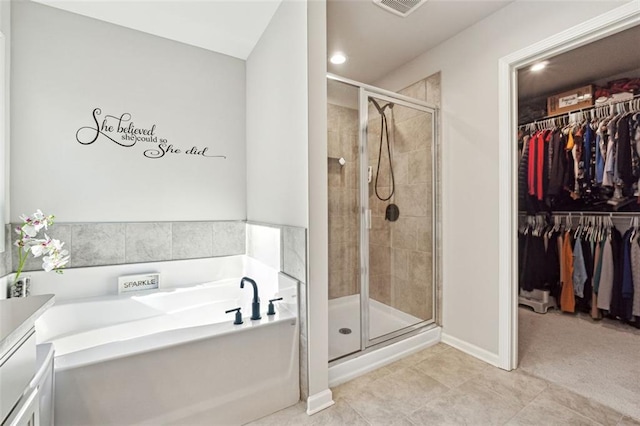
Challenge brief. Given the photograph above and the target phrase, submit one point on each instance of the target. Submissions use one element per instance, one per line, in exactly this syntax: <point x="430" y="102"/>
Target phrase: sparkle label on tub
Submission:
<point x="129" y="283"/>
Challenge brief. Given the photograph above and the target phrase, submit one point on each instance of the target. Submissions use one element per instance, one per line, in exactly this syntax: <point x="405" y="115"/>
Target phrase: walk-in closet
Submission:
<point x="579" y="220"/>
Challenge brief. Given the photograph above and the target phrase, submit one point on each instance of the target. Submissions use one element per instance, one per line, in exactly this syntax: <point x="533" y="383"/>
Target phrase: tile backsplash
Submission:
<point x="98" y="244"/>
<point x="281" y="247"/>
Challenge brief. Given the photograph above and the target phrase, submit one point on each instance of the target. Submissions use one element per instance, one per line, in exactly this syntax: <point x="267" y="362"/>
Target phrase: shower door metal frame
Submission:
<point x="365" y="93"/>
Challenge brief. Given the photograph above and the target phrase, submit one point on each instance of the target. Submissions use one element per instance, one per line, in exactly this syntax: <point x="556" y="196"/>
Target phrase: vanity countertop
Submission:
<point x="18" y="315"/>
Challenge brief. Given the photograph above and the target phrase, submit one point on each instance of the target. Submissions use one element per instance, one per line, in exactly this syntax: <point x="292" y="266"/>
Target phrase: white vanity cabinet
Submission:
<point x="22" y="380"/>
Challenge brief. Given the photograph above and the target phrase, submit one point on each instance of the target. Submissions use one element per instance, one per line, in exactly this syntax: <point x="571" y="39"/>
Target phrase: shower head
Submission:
<point x="379" y="108"/>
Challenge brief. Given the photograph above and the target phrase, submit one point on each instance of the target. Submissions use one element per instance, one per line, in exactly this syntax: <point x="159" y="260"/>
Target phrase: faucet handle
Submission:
<point x="272" y="309"/>
<point x="238" y="319"/>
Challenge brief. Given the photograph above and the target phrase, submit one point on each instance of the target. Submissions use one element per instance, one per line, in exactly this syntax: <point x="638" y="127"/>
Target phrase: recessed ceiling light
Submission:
<point x="539" y="66"/>
<point x="338" y="58"/>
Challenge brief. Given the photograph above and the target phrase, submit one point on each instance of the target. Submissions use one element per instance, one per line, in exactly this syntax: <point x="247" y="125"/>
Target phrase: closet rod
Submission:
<point x="622" y="215"/>
<point x="610" y="104"/>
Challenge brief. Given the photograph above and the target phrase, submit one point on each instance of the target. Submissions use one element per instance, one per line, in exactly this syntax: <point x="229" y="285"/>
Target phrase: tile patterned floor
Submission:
<point x="443" y="386"/>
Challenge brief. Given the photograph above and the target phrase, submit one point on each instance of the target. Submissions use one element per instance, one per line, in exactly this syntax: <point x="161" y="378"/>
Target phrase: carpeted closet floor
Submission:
<point x="597" y="359"/>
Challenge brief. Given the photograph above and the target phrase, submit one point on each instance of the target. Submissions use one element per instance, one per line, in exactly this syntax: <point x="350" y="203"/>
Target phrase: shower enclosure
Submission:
<point x="381" y="172"/>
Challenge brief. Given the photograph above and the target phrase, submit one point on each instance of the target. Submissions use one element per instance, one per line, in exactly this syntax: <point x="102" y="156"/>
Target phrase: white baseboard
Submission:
<point x="319" y="401"/>
<point x="352" y="368"/>
<point x="471" y="349"/>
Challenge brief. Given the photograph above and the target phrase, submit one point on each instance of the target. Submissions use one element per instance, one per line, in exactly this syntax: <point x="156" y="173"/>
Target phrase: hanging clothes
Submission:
<point x="579" y="269"/>
<point x="558" y="162"/>
<point x="625" y="169"/>
<point x="583" y="301"/>
<point x="522" y="171"/>
<point x="601" y="151"/>
<point x="589" y="150"/>
<point x="552" y="264"/>
<point x="597" y="268"/>
<point x="635" y="270"/>
<point x="578" y="163"/>
<point x="606" y="276"/>
<point x="567" y="297"/>
<point x="626" y="288"/>
<point x="590" y="163"/>
<point x="538" y="263"/>
<point x="617" y="308"/>
<point x="609" y="162"/>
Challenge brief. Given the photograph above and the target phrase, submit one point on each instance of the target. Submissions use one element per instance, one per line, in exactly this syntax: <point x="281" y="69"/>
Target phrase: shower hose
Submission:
<point x="384" y="131"/>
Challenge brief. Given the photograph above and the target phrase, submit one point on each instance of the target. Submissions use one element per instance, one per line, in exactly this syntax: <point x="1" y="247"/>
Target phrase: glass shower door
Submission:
<point x="343" y="171"/>
<point x="397" y="202"/>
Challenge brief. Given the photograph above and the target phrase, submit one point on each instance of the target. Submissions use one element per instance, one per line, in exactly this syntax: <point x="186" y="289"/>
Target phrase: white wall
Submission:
<point x="5" y="71"/>
<point x="5" y="67"/>
<point x="318" y="259"/>
<point x="277" y="131"/>
<point x="286" y="154"/>
<point x="64" y="65"/>
<point x="469" y="65"/>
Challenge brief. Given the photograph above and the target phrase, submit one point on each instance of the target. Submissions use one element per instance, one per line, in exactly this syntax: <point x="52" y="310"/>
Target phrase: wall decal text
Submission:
<point x="123" y="131"/>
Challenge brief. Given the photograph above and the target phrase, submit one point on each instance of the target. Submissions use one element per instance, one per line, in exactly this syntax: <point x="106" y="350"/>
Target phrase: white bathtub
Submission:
<point x="173" y="356"/>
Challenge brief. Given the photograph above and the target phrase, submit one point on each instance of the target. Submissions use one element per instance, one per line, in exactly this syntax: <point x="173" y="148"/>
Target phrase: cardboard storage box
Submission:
<point x="571" y="100"/>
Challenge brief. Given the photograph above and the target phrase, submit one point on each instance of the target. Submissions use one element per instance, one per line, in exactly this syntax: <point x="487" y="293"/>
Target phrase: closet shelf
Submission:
<point x="603" y="108"/>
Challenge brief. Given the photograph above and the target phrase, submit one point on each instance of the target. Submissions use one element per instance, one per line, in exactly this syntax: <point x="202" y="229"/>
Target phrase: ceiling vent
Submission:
<point x="400" y="7"/>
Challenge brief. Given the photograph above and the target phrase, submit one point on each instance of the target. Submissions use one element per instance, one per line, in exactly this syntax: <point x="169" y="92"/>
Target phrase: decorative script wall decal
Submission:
<point x="122" y="131"/>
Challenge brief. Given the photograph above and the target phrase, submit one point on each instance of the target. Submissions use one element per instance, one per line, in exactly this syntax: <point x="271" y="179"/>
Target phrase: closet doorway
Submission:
<point x="562" y="215"/>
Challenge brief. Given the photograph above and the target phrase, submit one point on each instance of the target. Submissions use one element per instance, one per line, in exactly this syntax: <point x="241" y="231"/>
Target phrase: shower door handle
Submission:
<point x="367" y="218"/>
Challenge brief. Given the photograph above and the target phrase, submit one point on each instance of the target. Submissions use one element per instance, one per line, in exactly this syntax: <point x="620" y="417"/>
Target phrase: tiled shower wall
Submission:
<point x="401" y="252"/>
<point x="344" y="187"/>
<point x="411" y="239"/>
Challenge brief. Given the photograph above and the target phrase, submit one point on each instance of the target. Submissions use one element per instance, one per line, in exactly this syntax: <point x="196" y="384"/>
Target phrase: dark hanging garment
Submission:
<point x="523" y="244"/>
<point x="627" y="278"/>
<point x="540" y="276"/>
<point x="569" y="171"/>
<point x="531" y="164"/>
<point x="552" y="266"/>
<point x="617" y="307"/>
<point x="532" y="275"/>
<point x="578" y="143"/>
<point x="583" y="304"/>
<point x="589" y="154"/>
<point x="558" y="163"/>
<point x="546" y="165"/>
<point x="625" y="169"/>
<point x="520" y="251"/>
<point x="634" y="135"/>
<point x="522" y="174"/>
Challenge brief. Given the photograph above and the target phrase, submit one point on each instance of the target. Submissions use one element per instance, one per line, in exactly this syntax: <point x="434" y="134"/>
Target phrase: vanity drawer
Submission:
<point x="16" y="372"/>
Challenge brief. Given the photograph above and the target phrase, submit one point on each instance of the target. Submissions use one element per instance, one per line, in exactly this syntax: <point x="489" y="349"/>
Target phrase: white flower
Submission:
<point x="54" y="257"/>
<point x="40" y="247"/>
<point x="57" y="258"/>
<point x="29" y="230"/>
<point x="32" y="225"/>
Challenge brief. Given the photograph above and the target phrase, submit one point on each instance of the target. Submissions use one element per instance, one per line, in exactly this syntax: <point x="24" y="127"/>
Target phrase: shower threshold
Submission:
<point x="344" y="315"/>
<point x="349" y="367"/>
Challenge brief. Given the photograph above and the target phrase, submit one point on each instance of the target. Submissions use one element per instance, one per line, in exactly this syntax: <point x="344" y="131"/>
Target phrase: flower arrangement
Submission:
<point x="54" y="257"/>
